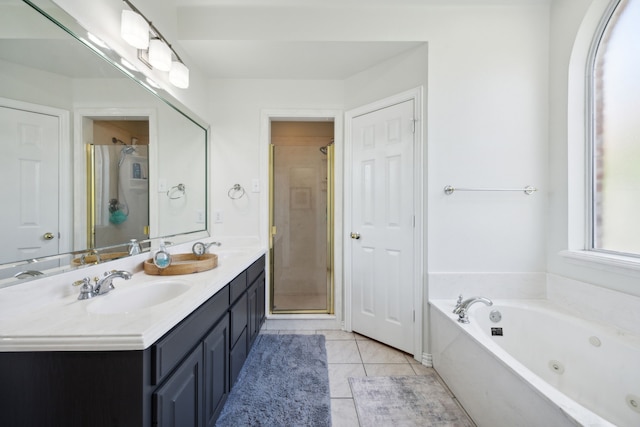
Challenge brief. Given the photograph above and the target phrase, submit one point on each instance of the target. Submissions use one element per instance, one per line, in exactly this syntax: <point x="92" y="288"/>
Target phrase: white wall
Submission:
<point x="486" y="120"/>
<point x="238" y="157"/>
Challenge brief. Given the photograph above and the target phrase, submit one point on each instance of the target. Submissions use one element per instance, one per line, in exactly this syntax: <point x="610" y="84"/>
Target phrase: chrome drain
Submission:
<point x="556" y="367"/>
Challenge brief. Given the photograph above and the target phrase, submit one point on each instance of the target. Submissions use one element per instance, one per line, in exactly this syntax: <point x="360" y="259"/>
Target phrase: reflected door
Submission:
<point x="29" y="147"/>
<point x="301" y="214"/>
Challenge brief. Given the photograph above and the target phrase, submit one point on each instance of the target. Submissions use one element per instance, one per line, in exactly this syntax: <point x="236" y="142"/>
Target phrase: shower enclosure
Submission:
<point x="118" y="181"/>
<point x="301" y="217"/>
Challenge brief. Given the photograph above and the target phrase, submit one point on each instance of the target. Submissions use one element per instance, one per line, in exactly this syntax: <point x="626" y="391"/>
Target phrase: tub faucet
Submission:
<point x="104" y="285"/>
<point x="461" y="310"/>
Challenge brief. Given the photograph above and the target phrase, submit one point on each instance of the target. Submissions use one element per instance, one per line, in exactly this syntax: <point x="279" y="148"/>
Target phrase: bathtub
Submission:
<point x="548" y="368"/>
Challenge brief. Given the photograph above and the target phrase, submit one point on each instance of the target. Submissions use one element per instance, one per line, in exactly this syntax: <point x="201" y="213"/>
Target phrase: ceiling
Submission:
<point x="314" y="58"/>
<point x="291" y="60"/>
<point x="296" y="39"/>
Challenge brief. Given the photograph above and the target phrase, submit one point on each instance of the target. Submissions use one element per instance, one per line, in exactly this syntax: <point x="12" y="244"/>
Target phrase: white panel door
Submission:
<point x="29" y="147"/>
<point x="382" y="220"/>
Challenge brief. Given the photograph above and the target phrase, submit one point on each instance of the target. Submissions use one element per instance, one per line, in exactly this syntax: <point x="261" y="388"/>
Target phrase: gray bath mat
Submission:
<point x="405" y="402"/>
<point x="284" y="382"/>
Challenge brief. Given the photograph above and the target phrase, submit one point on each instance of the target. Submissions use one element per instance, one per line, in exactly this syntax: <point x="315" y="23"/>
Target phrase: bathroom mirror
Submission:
<point x="91" y="155"/>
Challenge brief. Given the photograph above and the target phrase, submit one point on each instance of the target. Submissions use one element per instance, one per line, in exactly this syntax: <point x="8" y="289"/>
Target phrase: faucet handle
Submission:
<point x="83" y="281"/>
<point x="458" y="304"/>
<point x="86" y="291"/>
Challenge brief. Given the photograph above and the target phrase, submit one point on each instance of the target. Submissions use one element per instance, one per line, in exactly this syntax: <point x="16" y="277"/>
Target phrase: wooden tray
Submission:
<point x="183" y="264"/>
<point x="91" y="259"/>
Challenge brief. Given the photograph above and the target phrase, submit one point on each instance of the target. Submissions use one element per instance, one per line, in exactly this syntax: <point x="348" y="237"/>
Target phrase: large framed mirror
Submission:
<point x="91" y="155"/>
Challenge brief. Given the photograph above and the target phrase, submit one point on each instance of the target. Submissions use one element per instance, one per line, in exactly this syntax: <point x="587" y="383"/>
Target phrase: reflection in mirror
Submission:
<point x="91" y="156"/>
<point x="118" y="175"/>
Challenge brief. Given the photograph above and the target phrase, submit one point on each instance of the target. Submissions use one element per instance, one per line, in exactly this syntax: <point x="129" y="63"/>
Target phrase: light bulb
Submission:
<point x="159" y="55"/>
<point x="134" y="29"/>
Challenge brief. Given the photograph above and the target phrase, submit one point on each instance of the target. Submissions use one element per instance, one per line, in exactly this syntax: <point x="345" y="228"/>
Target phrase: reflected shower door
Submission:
<point x="301" y="281"/>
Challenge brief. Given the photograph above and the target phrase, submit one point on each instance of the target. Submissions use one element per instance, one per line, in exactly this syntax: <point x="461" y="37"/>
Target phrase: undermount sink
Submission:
<point x="137" y="297"/>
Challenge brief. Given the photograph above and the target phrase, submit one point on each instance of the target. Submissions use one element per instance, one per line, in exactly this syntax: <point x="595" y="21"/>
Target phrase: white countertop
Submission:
<point x="45" y="314"/>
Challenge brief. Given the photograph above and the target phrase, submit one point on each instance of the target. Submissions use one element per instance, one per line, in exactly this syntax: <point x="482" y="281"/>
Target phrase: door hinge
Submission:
<point x="414" y="316"/>
<point x="413" y="125"/>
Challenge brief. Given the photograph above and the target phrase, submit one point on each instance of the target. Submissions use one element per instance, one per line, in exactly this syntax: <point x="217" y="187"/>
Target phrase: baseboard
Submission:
<point x="427" y="360"/>
<point x="302" y="323"/>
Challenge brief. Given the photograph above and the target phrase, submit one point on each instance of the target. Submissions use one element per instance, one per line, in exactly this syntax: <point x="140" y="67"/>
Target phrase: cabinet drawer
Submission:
<point x="254" y="270"/>
<point x="238" y="286"/>
<point x="170" y="349"/>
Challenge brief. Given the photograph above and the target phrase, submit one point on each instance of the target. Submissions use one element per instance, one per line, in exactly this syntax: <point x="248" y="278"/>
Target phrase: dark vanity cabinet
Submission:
<point x="181" y="380"/>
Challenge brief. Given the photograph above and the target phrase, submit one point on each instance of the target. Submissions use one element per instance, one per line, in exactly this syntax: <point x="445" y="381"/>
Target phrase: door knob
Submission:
<point x="355" y="236"/>
<point x="48" y="236"/>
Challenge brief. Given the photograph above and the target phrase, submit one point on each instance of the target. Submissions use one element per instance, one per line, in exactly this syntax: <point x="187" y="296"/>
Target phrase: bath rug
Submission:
<point x="284" y="382"/>
<point x="409" y="401"/>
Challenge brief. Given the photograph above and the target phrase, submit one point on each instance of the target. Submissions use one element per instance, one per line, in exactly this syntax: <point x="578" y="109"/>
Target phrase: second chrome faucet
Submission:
<point x="463" y="306"/>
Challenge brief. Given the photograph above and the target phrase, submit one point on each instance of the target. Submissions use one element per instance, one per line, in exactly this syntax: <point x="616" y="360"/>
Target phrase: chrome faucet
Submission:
<point x="461" y="309"/>
<point x="134" y="247"/>
<point x="200" y="248"/>
<point x="83" y="258"/>
<point x="28" y="273"/>
<point x="104" y="285"/>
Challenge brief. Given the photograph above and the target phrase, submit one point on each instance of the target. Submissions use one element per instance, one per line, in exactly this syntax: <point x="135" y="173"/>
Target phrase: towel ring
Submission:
<point x="236" y="192"/>
<point x="180" y="188"/>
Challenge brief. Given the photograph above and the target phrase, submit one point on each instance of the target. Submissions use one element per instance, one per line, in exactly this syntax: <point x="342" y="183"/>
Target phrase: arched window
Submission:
<point x="614" y="137"/>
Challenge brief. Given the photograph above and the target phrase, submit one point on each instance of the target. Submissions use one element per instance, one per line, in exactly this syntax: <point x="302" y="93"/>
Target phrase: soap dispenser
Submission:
<point x="162" y="258"/>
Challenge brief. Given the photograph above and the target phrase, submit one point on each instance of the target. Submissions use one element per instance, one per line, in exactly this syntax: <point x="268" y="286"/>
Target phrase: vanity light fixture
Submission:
<point x="159" y="55"/>
<point x="134" y="29"/>
<point x="156" y="52"/>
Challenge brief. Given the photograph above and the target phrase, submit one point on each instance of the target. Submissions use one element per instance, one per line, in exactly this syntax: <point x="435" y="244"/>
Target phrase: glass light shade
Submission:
<point x="179" y="75"/>
<point x="159" y="55"/>
<point x="134" y="29"/>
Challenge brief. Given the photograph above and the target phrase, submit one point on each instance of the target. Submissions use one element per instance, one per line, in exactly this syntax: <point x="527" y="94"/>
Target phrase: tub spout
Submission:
<point x="462" y="309"/>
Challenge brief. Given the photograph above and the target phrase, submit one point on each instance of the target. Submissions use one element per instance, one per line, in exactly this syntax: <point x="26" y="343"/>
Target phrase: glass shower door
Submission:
<point x="301" y="218"/>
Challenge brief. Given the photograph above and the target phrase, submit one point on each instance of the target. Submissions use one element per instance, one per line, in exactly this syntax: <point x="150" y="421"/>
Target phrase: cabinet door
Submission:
<point x="252" y="323"/>
<point x="237" y="357"/>
<point x="216" y="371"/>
<point x="261" y="301"/>
<point x="178" y="402"/>
<point x="256" y="308"/>
<point x="239" y="318"/>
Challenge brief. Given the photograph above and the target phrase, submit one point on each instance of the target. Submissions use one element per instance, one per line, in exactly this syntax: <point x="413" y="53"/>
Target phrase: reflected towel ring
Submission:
<point x="236" y="192"/>
<point x="180" y="189"/>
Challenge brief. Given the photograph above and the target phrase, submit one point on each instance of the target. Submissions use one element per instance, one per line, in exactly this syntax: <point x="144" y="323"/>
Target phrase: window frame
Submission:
<point x="579" y="127"/>
<point x="590" y="136"/>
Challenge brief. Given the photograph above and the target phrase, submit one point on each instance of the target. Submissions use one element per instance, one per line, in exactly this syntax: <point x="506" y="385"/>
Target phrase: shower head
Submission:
<point x="128" y="149"/>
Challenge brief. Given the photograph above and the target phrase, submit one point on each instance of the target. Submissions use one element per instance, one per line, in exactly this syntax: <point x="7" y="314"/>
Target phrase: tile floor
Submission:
<point x="352" y="355"/>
